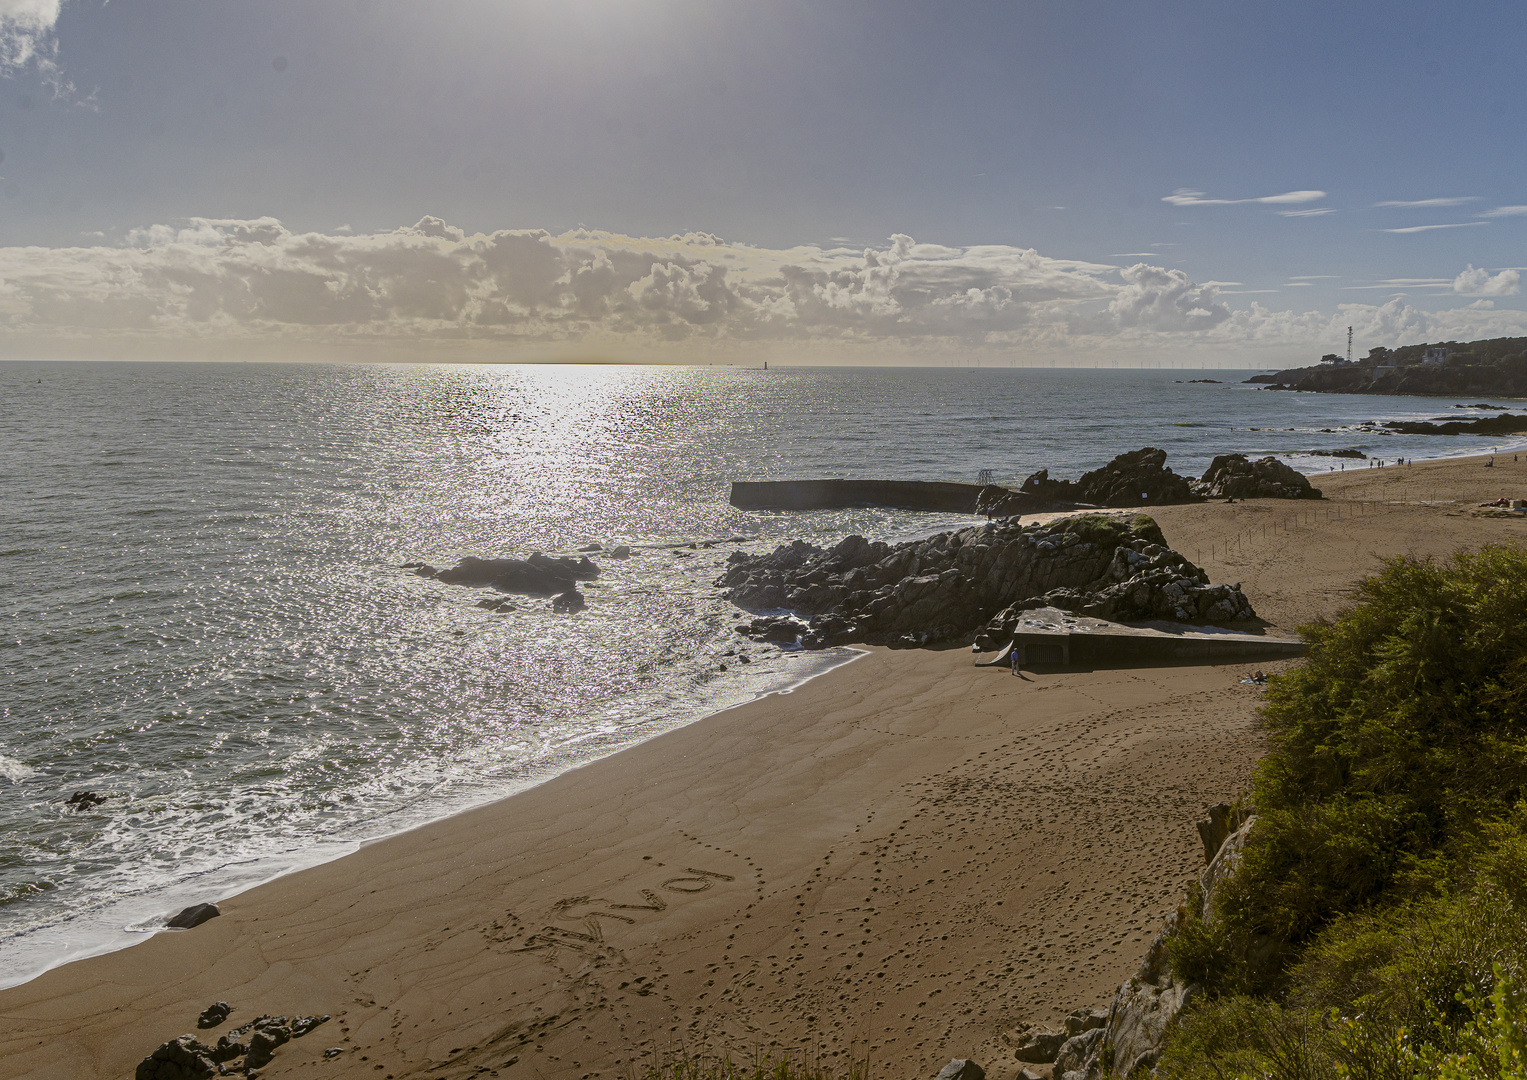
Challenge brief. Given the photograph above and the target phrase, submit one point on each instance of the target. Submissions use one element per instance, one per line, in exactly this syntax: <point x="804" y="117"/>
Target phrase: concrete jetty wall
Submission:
<point x="838" y="494"/>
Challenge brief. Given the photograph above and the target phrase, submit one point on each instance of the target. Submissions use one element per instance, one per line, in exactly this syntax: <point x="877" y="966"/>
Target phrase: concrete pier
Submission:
<point x="840" y="494"/>
<point x="1051" y="637"/>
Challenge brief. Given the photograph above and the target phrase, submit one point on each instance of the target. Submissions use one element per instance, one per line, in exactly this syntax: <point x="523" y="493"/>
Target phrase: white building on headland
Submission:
<point x="1434" y="356"/>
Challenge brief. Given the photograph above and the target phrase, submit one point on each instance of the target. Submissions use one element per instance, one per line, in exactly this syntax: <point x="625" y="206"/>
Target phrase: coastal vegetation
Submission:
<point x="1376" y="926"/>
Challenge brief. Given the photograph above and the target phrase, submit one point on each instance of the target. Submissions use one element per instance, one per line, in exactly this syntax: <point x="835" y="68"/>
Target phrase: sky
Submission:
<point x="844" y="181"/>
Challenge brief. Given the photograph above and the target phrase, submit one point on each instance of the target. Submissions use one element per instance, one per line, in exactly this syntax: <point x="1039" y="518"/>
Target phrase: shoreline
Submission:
<point x="888" y="761"/>
<point x="131" y="921"/>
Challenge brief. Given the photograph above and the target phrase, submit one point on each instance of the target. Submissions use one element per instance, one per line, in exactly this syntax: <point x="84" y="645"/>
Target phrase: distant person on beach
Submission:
<point x="1014" y="658"/>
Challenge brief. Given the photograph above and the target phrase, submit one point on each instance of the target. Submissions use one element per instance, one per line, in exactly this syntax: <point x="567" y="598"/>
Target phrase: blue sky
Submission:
<point x="1078" y="182"/>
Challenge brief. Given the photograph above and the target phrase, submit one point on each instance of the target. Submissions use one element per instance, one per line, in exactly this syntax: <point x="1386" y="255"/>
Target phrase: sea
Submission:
<point x="205" y="619"/>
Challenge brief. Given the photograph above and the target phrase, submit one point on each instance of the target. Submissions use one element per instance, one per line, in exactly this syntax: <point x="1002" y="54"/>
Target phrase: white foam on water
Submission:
<point x="15" y="771"/>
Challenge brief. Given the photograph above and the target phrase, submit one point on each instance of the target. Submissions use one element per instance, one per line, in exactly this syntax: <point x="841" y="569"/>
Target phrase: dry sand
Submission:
<point x="904" y="858"/>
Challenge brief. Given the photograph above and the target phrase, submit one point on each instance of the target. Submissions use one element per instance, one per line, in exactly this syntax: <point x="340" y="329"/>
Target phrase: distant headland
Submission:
<point x="1496" y="367"/>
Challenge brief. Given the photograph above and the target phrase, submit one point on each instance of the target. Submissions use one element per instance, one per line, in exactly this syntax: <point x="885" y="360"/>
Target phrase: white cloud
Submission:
<point x="1506" y="211"/>
<point x="1157" y="300"/>
<point x="254" y="285"/>
<point x="1190" y="197"/>
<point x="26" y="30"/>
<point x="1318" y="212"/>
<point x="1429" y="228"/>
<point x="212" y="277"/>
<point x="1474" y="282"/>
<point x="1414" y="204"/>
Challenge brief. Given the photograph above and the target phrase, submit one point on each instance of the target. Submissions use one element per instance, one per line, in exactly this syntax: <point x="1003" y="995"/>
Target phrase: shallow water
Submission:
<point x="204" y="616"/>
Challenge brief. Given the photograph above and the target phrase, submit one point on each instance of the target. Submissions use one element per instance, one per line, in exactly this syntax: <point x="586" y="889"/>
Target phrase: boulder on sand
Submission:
<point x="193" y="916"/>
<point x="184" y="1058"/>
<point x="1234" y="476"/>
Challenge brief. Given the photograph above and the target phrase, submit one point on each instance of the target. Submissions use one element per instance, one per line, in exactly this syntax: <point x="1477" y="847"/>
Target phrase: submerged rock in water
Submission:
<point x="975" y="582"/>
<point x="569" y="602"/>
<point x="537" y="575"/>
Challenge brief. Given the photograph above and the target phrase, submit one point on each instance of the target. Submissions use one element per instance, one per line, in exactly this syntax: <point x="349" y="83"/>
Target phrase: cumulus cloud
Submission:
<point x="26" y="30"/>
<point x="257" y="285"/>
<point x="1474" y="282"/>
<point x="211" y="277"/>
<point x="1159" y="300"/>
<point x="1190" y="197"/>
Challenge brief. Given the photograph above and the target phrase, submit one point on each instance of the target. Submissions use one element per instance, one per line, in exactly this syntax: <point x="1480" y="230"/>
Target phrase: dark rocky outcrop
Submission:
<point x="192" y="916"/>
<point x="1495" y="366"/>
<point x="85" y="800"/>
<point x="537" y="575"/>
<point x="214" y="1014"/>
<point x="256" y="1042"/>
<point x="185" y="1058"/>
<point x="1235" y="476"/>
<point x="1138" y="478"/>
<point x="975" y="581"/>
<point x="569" y="602"/>
<point x="1505" y="424"/>
<point x="1040" y="1047"/>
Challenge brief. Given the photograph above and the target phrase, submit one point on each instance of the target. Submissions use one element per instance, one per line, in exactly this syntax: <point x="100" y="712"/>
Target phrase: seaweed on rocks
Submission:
<point x="973" y="583"/>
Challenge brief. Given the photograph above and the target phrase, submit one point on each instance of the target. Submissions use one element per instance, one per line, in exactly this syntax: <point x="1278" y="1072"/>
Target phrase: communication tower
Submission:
<point x="1349" y="344"/>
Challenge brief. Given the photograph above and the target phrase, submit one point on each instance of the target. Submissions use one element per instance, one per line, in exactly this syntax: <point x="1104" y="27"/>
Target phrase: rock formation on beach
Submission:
<point x="977" y="581"/>
<point x="1233" y="476"/>
<point x="1138" y="478"/>
<point x="188" y="1058"/>
<point x="1141" y="478"/>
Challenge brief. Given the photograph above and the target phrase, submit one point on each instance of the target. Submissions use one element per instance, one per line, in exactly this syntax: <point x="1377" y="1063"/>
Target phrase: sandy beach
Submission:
<point x="903" y="859"/>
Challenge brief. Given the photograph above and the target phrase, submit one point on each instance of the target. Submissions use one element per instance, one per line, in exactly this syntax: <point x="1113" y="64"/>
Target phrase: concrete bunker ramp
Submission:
<point x="1049" y="637"/>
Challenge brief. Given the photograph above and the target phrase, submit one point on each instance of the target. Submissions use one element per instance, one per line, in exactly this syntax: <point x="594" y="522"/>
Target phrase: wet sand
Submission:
<point x="905" y="858"/>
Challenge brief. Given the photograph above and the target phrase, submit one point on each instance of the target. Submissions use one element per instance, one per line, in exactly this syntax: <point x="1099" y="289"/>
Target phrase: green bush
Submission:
<point x="1401" y="735"/>
<point x="1376" y="928"/>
